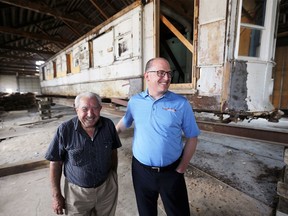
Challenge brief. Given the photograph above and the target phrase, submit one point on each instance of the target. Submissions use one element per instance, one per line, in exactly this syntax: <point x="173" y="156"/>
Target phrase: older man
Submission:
<point x="86" y="146"/>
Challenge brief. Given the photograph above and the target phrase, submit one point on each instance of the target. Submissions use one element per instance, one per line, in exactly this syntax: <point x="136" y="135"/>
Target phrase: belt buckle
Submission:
<point x="156" y="168"/>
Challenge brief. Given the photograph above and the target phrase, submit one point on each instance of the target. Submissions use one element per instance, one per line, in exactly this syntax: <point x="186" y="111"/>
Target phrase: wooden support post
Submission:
<point x="44" y="108"/>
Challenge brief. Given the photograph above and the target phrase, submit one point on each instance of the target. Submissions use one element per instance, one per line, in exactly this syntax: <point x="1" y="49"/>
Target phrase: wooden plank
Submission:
<point x="119" y="102"/>
<point x="20" y="168"/>
<point x="177" y="33"/>
<point x="280" y="76"/>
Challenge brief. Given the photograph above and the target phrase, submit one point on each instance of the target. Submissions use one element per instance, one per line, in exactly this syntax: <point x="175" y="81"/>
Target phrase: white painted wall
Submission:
<point x="211" y="43"/>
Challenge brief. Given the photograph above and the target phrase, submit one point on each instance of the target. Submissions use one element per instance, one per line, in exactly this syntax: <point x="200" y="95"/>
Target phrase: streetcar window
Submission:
<point x="251" y="27"/>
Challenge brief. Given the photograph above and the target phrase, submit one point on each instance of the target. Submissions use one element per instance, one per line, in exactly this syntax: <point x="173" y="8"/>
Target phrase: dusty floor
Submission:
<point x="228" y="175"/>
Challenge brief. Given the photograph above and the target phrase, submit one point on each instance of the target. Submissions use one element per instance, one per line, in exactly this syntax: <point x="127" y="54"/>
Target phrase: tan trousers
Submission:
<point x="100" y="201"/>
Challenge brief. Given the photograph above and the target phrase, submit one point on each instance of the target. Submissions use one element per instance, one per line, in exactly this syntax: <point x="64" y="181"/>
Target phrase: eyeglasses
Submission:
<point x="162" y="73"/>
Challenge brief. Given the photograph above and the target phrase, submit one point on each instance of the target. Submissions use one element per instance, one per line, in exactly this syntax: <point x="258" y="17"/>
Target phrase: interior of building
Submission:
<point x="240" y="166"/>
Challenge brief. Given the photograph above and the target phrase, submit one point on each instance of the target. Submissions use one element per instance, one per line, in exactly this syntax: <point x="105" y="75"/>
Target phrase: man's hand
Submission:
<point x="58" y="204"/>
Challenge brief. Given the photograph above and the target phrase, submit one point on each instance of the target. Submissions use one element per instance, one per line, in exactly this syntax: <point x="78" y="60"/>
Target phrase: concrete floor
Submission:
<point x="228" y="175"/>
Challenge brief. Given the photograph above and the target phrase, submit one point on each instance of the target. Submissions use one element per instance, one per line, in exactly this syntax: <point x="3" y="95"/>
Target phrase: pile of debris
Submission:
<point x="17" y="101"/>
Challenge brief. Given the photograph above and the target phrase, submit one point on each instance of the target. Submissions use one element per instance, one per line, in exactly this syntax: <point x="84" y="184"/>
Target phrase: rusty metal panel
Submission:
<point x="250" y="86"/>
<point x="238" y="87"/>
<point x="205" y="103"/>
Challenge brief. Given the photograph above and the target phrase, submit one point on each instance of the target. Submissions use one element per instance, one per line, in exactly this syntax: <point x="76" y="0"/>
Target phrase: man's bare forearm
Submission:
<point x="55" y="177"/>
<point x="189" y="150"/>
<point x="120" y="126"/>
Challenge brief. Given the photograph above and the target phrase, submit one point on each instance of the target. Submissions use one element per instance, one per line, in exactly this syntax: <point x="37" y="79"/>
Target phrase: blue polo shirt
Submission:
<point x="159" y="126"/>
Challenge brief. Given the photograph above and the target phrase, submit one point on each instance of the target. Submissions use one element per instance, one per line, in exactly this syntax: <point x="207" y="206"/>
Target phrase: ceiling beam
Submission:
<point x="99" y="9"/>
<point x="40" y="8"/>
<point x="110" y="3"/>
<point x="11" y="71"/>
<point x="21" y="57"/>
<point x="32" y="35"/>
<point x="18" y="63"/>
<point x="31" y="72"/>
<point x="31" y="67"/>
<point x="71" y="28"/>
<point x="27" y="50"/>
<point x="17" y="74"/>
<point x="59" y="45"/>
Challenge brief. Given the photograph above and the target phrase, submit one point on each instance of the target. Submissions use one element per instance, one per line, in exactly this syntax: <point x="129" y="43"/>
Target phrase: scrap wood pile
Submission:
<point x="17" y="101"/>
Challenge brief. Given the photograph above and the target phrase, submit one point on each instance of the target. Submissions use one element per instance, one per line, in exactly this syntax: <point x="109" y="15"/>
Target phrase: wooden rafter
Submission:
<point x="40" y="8"/>
<point x="21" y="57"/>
<point x="18" y="49"/>
<point x="8" y="30"/>
<point x="99" y="9"/>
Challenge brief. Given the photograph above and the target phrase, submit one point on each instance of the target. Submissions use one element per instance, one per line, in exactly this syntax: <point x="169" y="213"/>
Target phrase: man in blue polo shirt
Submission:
<point x="160" y="159"/>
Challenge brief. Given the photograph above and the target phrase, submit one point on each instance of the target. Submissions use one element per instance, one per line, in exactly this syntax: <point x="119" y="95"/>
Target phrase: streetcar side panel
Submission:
<point x="108" y="62"/>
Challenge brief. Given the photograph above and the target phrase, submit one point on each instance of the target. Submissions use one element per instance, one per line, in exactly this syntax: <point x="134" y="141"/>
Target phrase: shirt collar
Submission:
<point x="145" y="94"/>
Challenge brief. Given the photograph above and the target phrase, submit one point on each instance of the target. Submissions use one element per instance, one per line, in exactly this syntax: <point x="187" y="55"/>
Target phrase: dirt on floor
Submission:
<point x="227" y="176"/>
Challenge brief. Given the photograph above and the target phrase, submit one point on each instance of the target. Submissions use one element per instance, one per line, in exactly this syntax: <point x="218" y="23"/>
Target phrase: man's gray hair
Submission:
<point x="87" y="95"/>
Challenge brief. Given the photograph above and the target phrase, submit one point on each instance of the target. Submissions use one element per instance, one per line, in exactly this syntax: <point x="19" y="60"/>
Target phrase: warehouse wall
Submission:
<point x="19" y="84"/>
<point x="29" y="84"/>
<point x="8" y="83"/>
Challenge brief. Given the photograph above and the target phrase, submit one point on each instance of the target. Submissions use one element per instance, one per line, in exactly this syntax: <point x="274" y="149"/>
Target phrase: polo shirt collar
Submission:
<point x="146" y="94"/>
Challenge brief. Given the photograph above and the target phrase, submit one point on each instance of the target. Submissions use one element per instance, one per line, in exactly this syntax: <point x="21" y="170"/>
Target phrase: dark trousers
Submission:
<point x="149" y="183"/>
